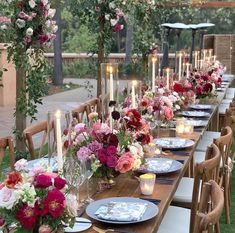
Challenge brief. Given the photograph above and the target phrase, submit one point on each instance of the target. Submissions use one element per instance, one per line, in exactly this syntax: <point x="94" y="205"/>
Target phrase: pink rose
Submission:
<point x="79" y="128"/>
<point x="45" y="229"/>
<point x="125" y="163"/>
<point x="168" y="113"/>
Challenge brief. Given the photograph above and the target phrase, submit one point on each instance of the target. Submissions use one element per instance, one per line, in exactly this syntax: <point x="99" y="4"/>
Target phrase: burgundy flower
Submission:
<point x="116" y="115"/>
<point x="111" y="150"/>
<point x="66" y="131"/>
<point x="110" y="139"/>
<point x="20" y="4"/>
<point x="59" y="183"/>
<point x="27" y="216"/>
<point x="66" y="144"/>
<point x="144" y="139"/>
<point x="207" y="87"/>
<point x="53" y="203"/>
<point x="112" y="161"/>
<point x="198" y="89"/>
<point x="133" y="121"/>
<point x="102" y="156"/>
<point x="43" y="181"/>
<point x="2" y="221"/>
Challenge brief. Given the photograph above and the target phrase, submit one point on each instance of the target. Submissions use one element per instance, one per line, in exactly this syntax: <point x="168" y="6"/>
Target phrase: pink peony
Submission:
<point x="43" y="181"/>
<point x="111" y="150"/>
<point x="102" y="156"/>
<point x="168" y="113"/>
<point x="111" y="161"/>
<point x="125" y="163"/>
<point x="80" y="128"/>
<point x="117" y="27"/>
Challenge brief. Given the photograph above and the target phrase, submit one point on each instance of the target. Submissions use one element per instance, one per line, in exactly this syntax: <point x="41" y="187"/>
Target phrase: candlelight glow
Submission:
<point x="58" y="114"/>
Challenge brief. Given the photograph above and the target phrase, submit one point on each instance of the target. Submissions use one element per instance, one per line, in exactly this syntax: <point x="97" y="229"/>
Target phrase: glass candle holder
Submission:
<point x="147" y="183"/>
<point x="188" y="128"/>
<point x="158" y="150"/>
<point x="180" y="126"/>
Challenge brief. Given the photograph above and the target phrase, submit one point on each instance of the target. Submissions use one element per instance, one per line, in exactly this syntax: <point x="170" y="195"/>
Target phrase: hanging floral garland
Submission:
<point x="32" y="29"/>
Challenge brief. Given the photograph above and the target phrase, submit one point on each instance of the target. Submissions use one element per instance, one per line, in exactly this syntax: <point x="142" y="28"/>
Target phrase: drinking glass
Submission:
<point x="88" y="174"/>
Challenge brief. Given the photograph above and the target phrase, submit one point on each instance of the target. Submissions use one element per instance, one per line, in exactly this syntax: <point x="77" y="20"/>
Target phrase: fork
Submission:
<point x="99" y="230"/>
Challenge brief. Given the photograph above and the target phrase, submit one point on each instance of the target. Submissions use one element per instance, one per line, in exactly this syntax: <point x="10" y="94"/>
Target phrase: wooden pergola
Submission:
<point x="202" y="4"/>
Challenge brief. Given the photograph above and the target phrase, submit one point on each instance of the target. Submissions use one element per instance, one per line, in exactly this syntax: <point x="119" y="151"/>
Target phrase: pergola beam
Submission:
<point x="213" y="4"/>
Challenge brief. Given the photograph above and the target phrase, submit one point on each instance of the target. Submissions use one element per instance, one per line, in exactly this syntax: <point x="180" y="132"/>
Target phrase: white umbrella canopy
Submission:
<point x="187" y="26"/>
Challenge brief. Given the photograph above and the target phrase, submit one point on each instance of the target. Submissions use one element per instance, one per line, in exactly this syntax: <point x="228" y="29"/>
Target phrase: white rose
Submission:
<point x="54" y="28"/>
<point x="20" y="23"/>
<point x="3" y="27"/>
<point x="111" y="5"/>
<point x="113" y="22"/>
<point x="107" y="16"/>
<point x="8" y="197"/>
<point x="72" y="204"/>
<point x="32" y="3"/>
<point x="29" y="32"/>
<point x="45" y="2"/>
<point x="51" y="13"/>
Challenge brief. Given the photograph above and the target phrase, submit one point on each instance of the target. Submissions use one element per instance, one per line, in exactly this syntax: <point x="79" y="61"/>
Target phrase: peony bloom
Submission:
<point x="45" y="229"/>
<point x="125" y="163"/>
<point x="53" y="203"/>
<point x="102" y="156"/>
<point x="8" y="197"/>
<point x="111" y="161"/>
<point x="59" y="183"/>
<point x="51" y="13"/>
<point x="84" y="153"/>
<point x="110" y="139"/>
<point x="13" y="179"/>
<point x="80" y="128"/>
<point x="168" y="113"/>
<point x="21" y="165"/>
<point x="94" y="146"/>
<point x="43" y="181"/>
<point x="111" y="150"/>
<point x="27" y="216"/>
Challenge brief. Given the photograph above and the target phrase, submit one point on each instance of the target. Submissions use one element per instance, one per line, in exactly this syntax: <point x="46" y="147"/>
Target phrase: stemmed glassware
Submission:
<point x="88" y="174"/>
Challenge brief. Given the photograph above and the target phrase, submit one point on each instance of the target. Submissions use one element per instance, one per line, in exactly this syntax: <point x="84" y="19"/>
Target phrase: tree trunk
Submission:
<point x="20" y="117"/>
<point x="145" y="65"/>
<point x="58" y="76"/>
<point x="129" y="42"/>
<point x="100" y="58"/>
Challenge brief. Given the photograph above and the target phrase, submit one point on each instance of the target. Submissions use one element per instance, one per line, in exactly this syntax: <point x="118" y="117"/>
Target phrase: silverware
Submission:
<point x="99" y="230"/>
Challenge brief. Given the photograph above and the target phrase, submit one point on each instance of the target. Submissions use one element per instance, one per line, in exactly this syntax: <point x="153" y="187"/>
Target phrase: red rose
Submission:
<point x="2" y="221"/>
<point x="178" y="87"/>
<point x="102" y="156"/>
<point x="43" y="181"/>
<point x="66" y="144"/>
<point x="66" y="131"/>
<point x="21" y="4"/>
<point x="27" y="216"/>
<point x="111" y="150"/>
<point x="111" y="161"/>
<point x="13" y="179"/>
<point x="198" y="89"/>
<point x="59" y="183"/>
<point x="53" y="203"/>
<point x="117" y="27"/>
<point x="144" y="139"/>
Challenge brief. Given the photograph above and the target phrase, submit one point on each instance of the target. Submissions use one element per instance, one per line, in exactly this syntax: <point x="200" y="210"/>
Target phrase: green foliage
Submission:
<point x="80" y="69"/>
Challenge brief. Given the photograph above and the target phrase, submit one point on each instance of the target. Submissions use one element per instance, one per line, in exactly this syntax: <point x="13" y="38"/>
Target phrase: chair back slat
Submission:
<point x="80" y="113"/>
<point x="33" y="130"/>
<point x="94" y="105"/>
<point x="7" y="142"/>
<point x="210" y="208"/>
<point x="204" y="171"/>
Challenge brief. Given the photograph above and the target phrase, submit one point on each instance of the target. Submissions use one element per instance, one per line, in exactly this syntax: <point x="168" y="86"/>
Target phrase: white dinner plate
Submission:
<point x="196" y="123"/>
<point x="200" y="106"/>
<point x="195" y="114"/>
<point x="79" y="226"/>
<point x="174" y="166"/>
<point x="150" y="212"/>
<point x="173" y="143"/>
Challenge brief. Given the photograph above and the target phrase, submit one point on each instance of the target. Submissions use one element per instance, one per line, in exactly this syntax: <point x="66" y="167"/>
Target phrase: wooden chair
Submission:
<point x="182" y="220"/>
<point x="94" y="105"/>
<point x="212" y="199"/>
<point x="225" y="145"/>
<point x="7" y="142"/>
<point x="81" y="113"/>
<point x="29" y="132"/>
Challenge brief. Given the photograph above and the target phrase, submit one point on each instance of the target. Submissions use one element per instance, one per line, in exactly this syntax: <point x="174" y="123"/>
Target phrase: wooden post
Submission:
<point x="20" y="117"/>
<point x="100" y="57"/>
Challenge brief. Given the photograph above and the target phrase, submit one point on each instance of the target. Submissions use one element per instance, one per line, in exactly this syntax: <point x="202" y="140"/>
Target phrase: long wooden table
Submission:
<point x="129" y="186"/>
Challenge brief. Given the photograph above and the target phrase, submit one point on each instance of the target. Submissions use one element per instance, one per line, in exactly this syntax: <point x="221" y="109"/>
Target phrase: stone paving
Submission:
<point x="67" y="100"/>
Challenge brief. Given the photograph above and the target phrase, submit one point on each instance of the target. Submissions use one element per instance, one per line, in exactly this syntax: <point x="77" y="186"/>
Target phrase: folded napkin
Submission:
<point x="157" y="166"/>
<point x="122" y="211"/>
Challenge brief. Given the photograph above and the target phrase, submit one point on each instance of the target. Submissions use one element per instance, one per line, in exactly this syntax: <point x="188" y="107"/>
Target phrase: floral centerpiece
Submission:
<point x="33" y="200"/>
<point x="112" y="150"/>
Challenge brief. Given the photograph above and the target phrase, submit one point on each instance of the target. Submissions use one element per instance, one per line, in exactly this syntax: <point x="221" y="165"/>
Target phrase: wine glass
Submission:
<point x="88" y="174"/>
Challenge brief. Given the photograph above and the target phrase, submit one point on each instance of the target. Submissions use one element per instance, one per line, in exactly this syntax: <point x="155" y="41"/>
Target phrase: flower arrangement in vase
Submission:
<point x="35" y="199"/>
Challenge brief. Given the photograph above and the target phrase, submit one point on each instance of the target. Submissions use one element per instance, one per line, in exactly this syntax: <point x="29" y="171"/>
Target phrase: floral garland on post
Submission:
<point x="104" y="17"/>
<point x="31" y="30"/>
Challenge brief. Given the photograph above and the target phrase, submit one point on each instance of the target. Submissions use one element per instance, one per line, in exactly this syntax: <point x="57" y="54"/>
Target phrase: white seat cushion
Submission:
<point x="176" y="220"/>
<point x="184" y="191"/>
<point x="210" y="135"/>
<point x="203" y="144"/>
<point x="199" y="156"/>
